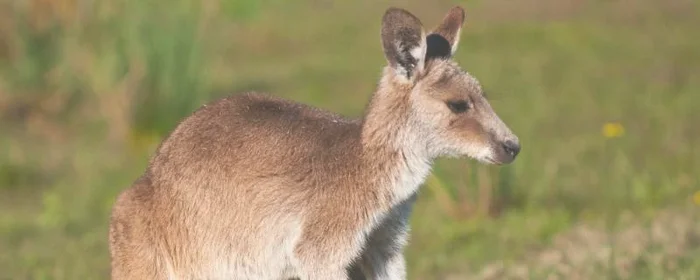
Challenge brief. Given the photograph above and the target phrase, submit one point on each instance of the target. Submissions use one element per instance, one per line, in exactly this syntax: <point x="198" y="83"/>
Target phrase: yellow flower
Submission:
<point x="696" y="198"/>
<point x="613" y="130"/>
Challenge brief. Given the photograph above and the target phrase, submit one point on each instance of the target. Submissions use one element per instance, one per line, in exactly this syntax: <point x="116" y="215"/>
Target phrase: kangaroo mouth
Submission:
<point x="504" y="153"/>
<point x="501" y="158"/>
<point x="490" y="160"/>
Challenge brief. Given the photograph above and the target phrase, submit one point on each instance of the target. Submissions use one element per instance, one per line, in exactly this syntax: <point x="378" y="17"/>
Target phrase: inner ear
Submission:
<point x="438" y="47"/>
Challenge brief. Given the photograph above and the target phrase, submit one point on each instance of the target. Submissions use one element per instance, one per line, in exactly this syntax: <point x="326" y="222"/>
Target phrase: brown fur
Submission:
<point x="256" y="187"/>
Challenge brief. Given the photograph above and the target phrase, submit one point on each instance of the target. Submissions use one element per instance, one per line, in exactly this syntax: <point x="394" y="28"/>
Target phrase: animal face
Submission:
<point x="447" y="104"/>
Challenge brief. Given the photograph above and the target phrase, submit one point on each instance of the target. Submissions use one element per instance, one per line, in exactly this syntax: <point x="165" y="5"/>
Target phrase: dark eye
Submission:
<point x="458" y="106"/>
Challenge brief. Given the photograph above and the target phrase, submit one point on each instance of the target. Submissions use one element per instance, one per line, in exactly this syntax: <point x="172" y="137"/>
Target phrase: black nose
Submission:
<point x="512" y="148"/>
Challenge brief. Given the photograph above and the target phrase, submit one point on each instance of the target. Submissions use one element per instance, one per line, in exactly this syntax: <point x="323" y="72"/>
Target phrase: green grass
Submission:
<point x="87" y="92"/>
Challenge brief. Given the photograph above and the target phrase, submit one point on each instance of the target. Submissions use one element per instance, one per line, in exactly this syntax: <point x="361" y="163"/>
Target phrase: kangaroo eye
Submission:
<point x="459" y="106"/>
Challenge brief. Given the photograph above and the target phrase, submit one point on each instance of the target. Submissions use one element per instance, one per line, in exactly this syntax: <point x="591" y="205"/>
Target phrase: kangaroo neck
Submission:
<point x="393" y="149"/>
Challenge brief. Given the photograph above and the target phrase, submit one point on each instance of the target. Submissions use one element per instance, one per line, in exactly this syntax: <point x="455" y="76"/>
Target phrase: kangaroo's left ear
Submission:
<point x="443" y="41"/>
<point x="403" y="40"/>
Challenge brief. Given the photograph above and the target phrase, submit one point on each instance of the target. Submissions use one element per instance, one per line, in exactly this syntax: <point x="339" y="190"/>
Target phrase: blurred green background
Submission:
<point x="604" y="96"/>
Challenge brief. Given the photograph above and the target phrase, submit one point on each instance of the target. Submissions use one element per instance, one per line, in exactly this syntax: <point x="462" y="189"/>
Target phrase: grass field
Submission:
<point x="603" y="95"/>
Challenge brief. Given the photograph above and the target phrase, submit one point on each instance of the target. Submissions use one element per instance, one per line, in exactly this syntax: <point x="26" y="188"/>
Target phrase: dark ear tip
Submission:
<point x="458" y="9"/>
<point x="395" y="11"/>
<point x="395" y="14"/>
<point x="457" y="12"/>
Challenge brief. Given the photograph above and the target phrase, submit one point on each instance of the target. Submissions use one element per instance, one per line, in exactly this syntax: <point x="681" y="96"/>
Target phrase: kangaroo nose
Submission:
<point x="511" y="147"/>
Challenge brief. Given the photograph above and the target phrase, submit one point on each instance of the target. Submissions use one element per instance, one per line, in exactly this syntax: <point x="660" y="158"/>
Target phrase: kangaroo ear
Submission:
<point x="404" y="42"/>
<point x="443" y="41"/>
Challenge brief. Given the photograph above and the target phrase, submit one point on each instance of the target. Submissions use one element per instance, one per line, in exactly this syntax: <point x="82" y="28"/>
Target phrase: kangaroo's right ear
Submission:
<point x="443" y="41"/>
<point x="403" y="39"/>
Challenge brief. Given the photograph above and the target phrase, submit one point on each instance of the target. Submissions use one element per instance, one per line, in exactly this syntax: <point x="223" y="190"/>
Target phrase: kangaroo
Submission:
<point x="252" y="186"/>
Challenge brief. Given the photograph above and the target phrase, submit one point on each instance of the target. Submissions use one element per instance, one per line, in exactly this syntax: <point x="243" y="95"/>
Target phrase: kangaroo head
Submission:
<point x="447" y="107"/>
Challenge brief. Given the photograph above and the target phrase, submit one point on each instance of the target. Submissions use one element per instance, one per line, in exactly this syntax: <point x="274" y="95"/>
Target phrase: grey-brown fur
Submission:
<point x="256" y="187"/>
